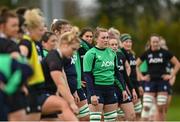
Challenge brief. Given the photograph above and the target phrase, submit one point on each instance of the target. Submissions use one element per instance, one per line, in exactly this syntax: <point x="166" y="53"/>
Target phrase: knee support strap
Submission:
<point x="161" y="99"/>
<point x="138" y="107"/>
<point x="110" y="116"/>
<point x="120" y="112"/>
<point x="83" y="111"/>
<point x="95" y="116"/>
<point x="147" y="100"/>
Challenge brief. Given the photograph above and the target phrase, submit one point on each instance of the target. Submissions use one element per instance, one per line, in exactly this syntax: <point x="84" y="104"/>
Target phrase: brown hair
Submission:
<point x="148" y="44"/>
<point x="57" y="24"/>
<point x="6" y="14"/>
<point x="84" y="30"/>
<point x="154" y="34"/>
<point x="98" y="30"/>
<point x="46" y="36"/>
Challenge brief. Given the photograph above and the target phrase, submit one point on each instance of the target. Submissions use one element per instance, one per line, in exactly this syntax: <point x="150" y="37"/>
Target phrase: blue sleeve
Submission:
<point x="90" y="84"/>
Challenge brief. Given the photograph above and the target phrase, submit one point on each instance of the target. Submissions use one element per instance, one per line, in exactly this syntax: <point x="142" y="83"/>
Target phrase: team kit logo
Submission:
<point x="107" y="63"/>
<point x="155" y="60"/>
<point x="132" y="62"/>
<point x="120" y="66"/>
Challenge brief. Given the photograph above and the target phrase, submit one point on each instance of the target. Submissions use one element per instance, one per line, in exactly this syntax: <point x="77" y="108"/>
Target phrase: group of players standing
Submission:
<point x="70" y="75"/>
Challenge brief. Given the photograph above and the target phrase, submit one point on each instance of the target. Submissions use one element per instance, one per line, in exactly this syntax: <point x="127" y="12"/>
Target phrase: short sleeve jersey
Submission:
<point x="52" y="62"/>
<point x="132" y="62"/>
<point x="157" y="62"/>
<point x="101" y="63"/>
<point x="121" y="59"/>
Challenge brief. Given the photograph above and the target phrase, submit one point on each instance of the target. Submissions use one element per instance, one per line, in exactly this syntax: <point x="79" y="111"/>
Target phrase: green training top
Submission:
<point x="84" y="45"/>
<point x="45" y="52"/>
<point x="144" y="67"/>
<point x="101" y="63"/>
<point x="78" y="68"/>
<point x="13" y="80"/>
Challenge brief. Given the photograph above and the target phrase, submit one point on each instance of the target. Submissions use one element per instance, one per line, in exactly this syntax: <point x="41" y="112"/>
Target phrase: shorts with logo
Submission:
<point x="156" y="86"/>
<point x="106" y="94"/>
<point x="81" y="94"/>
<point x="120" y="96"/>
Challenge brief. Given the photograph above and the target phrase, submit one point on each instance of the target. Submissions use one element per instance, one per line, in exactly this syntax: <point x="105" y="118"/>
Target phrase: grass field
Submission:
<point x="174" y="109"/>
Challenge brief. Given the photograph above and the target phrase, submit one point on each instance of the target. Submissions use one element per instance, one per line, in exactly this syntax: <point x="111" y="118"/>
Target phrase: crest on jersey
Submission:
<point x="120" y="61"/>
<point x="160" y="54"/>
<point x="73" y="59"/>
<point x="150" y="55"/>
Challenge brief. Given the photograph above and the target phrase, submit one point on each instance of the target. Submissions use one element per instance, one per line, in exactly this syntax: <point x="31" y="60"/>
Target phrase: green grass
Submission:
<point x="174" y="109"/>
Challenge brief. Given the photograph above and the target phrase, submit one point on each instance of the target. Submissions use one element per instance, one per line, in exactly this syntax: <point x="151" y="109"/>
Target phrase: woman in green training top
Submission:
<point x="99" y="65"/>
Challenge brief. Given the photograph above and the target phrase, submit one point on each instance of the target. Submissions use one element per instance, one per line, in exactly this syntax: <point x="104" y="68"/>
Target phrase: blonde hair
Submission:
<point x="115" y="32"/>
<point x="163" y="43"/>
<point x="69" y="38"/>
<point x="76" y="30"/>
<point x="33" y="18"/>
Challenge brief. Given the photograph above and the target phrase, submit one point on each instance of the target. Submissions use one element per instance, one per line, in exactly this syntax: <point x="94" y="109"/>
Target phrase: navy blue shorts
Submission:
<point x="120" y="96"/>
<point x="45" y="96"/>
<point x="3" y="107"/>
<point x="36" y="98"/>
<point x="142" y="83"/>
<point x="106" y="94"/>
<point x="16" y="102"/>
<point x="156" y="86"/>
<point x="81" y="94"/>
